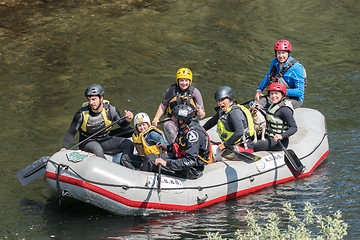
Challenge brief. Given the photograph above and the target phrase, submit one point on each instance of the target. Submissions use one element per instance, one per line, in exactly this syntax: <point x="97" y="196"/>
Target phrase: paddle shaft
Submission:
<point x="164" y="120"/>
<point x="244" y="103"/>
<point x="159" y="172"/>
<point x="96" y="133"/>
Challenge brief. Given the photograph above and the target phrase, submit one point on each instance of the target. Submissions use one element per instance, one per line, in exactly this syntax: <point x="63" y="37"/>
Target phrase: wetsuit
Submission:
<point x="234" y="122"/>
<point x="187" y="156"/>
<point x="285" y="114"/>
<point x="98" y="145"/>
<point x="170" y="128"/>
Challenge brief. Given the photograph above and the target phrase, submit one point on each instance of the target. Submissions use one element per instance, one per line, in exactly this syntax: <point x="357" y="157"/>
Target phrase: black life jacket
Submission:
<point x="182" y="97"/>
<point x="180" y="145"/>
<point x="278" y="77"/>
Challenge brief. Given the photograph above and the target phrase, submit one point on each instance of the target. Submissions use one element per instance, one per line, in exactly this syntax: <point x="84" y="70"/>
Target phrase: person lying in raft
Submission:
<point x="145" y="138"/>
<point x="191" y="151"/>
<point x="182" y="92"/>
<point x="234" y="122"/>
<point x="280" y="121"/>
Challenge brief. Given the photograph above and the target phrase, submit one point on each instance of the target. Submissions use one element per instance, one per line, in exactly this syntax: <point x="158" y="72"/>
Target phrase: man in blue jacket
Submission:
<point x="286" y="70"/>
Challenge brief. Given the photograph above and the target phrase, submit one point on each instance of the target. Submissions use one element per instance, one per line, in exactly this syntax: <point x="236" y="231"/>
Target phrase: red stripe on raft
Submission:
<point x="169" y="207"/>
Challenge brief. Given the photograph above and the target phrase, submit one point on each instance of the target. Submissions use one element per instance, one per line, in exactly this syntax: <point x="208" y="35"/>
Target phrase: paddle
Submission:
<point x="122" y="132"/>
<point x="291" y="159"/>
<point x="159" y="173"/>
<point x="37" y="168"/>
<point x="33" y="171"/>
<point x="164" y="120"/>
<point x="247" y="155"/>
<point x="96" y="133"/>
<point x="247" y="102"/>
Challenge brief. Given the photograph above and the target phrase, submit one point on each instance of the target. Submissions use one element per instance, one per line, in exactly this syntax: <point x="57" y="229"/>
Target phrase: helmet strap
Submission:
<point x="101" y="102"/>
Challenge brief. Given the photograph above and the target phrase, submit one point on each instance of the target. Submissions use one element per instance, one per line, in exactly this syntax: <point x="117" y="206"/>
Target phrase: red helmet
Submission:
<point x="282" y="45"/>
<point x="276" y="86"/>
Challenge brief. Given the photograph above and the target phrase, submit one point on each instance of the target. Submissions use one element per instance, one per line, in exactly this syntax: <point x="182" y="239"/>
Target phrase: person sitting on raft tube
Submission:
<point x="189" y="153"/>
<point x="145" y="138"/>
<point x="280" y="121"/>
<point x="234" y="122"/>
<point x="286" y="70"/>
<point x="94" y="115"/>
<point x="182" y="92"/>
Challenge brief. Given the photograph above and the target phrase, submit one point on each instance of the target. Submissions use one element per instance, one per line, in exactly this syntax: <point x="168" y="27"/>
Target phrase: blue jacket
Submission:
<point x="294" y="77"/>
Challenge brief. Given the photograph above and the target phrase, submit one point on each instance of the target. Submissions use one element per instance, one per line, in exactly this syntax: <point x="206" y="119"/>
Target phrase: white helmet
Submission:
<point x="141" y="117"/>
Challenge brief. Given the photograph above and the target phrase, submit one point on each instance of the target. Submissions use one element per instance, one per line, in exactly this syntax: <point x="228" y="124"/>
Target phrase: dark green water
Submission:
<point x="49" y="54"/>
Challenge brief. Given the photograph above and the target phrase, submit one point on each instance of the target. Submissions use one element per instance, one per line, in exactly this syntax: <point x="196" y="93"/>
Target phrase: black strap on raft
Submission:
<point x="59" y="191"/>
<point x="58" y="185"/>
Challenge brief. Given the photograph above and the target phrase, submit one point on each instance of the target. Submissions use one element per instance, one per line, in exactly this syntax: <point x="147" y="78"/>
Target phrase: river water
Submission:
<point x="51" y="51"/>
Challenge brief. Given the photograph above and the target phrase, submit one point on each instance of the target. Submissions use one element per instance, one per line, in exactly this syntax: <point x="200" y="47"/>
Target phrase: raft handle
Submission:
<point x="202" y="198"/>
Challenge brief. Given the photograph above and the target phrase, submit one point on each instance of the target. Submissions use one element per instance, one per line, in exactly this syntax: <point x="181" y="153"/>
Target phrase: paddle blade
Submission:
<point x="296" y="160"/>
<point x="249" y="156"/>
<point x="294" y="163"/>
<point x="228" y="154"/>
<point x="33" y="171"/>
<point x="235" y="155"/>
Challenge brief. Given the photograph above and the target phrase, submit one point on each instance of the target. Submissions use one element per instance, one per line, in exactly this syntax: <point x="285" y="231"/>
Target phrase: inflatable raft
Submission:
<point x="105" y="184"/>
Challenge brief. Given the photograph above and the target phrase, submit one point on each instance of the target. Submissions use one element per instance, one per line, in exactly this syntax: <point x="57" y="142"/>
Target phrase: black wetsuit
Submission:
<point x="234" y="123"/>
<point x="286" y="114"/>
<point x="99" y="145"/>
<point x="193" y="145"/>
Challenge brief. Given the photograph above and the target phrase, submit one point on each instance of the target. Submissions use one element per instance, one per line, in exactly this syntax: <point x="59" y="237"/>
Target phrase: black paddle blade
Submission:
<point x="33" y="171"/>
<point x="228" y="154"/>
<point x="298" y="167"/>
<point x="235" y="155"/>
<point x="249" y="156"/>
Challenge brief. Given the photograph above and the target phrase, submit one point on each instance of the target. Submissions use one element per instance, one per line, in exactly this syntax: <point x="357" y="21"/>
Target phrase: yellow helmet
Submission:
<point x="184" y="73"/>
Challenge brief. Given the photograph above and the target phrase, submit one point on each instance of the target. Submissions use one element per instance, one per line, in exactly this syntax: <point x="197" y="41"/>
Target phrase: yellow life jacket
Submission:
<point x="142" y="146"/>
<point x="86" y="116"/>
<point x="277" y="125"/>
<point x="249" y="127"/>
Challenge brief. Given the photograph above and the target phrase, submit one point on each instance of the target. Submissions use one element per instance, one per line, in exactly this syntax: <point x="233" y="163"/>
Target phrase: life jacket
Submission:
<point x="143" y="147"/>
<point x="91" y="124"/>
<point x="180" y="145"/>
<point x="278" y="77"/>
<point x="182" y="97"/>
<point x="277" y="125"/>
<point x="249" y="127"/>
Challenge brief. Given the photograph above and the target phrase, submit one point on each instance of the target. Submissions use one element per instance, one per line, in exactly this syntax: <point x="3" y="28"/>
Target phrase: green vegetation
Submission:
<point x="330" y="227"/>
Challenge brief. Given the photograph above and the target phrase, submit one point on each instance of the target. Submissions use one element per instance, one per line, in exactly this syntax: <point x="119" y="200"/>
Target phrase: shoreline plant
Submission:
<point x="330" y="227"/>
